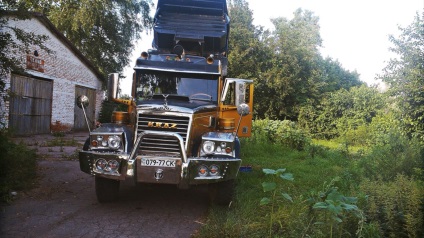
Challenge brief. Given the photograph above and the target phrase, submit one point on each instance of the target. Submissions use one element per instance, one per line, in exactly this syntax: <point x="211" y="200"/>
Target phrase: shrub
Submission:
<point x="395" y="207"/>
<point x="398" y="155"/>
<point x="18" y="165"/>
<point x="285" y="132"/>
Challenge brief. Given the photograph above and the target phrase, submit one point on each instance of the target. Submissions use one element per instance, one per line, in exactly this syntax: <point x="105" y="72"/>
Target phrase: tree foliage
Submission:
<point x="405" y="75"/>
<point x="13" y="40"/>
<point x="104" y="31"/>
<point x="343" y="111"/>
<point x="286" y="63"/>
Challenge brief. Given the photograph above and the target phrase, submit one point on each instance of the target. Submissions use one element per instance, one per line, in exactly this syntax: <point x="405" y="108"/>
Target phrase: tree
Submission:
<point x="14" y="40"/>
<point x="336" y="78"/>
<point x="294" y="77"/>
<point x="405" y="76"/>
<point x="286" y="65"/>
<point x="104" y="31"/>
<point x="249" y="55"/>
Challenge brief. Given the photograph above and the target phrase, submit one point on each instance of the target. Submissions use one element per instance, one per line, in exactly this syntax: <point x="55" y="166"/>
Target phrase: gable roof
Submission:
<point x="43" y="19"/>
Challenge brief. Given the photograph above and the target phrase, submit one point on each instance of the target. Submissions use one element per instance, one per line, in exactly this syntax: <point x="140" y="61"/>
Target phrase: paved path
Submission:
<point x="64" y="204"/>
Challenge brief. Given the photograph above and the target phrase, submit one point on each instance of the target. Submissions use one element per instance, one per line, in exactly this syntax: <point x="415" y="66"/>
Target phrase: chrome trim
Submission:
<point x="219" y="136"/>
<point x="209" y="178"/>
<point x="133" y="156"/>
<point x="186" y="118"/>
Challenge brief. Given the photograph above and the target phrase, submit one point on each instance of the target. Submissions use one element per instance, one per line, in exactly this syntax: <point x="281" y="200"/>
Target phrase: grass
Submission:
<point x="19" y="165"/>
<point x="333" y="192"/>
<point x="246" y="218"/>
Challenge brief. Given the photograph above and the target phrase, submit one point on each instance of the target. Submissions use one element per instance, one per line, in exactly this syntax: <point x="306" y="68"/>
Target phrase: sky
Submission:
<point x="354" y="32"/>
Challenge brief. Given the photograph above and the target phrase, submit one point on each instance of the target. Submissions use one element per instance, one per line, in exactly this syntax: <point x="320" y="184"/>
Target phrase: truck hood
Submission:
<point x="175" y="105"/>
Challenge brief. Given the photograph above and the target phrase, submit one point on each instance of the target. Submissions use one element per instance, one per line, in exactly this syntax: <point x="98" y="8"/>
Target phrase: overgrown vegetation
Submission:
<point x="18" y="167"/>
<point x="376" y="191"/>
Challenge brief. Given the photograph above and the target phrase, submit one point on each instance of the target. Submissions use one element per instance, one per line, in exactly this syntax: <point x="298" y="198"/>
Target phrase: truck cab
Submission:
<point x="185" y="117"/>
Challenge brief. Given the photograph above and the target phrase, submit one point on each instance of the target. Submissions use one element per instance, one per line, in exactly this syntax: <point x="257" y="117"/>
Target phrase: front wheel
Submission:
<point x="222" y="193"/>
<point x="107" y="190"/>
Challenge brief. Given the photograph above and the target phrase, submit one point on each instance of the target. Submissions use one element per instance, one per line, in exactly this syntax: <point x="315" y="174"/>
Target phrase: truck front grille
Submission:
<point x="162" y="145"/>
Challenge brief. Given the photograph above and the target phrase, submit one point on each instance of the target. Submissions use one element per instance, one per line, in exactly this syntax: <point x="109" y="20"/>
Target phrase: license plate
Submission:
<point x="158" y="162"/>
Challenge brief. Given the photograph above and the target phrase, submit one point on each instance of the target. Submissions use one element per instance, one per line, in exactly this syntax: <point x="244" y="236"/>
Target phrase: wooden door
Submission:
<point x="79" y="119"/>
<point x="30" y="105"/>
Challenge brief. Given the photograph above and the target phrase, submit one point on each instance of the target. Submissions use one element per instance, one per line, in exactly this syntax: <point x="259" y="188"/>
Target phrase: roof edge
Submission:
<point x="65" y="40"/>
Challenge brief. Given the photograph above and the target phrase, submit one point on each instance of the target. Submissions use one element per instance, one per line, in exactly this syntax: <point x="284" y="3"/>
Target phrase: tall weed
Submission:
<point x="395" y="207"/>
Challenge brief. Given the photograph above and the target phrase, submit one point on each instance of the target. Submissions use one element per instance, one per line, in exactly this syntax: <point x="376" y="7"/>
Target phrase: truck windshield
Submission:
<point x="198" y="87"/>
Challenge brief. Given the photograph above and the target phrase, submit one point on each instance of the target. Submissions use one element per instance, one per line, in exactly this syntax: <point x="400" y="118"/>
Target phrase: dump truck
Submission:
<point x="185" y="118"/>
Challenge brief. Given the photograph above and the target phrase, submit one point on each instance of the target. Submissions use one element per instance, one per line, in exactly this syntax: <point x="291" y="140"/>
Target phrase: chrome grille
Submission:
<point x="162" y="145"/>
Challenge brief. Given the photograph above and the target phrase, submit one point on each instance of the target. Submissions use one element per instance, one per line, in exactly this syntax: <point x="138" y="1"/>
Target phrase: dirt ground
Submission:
<point x="63" y="202"/>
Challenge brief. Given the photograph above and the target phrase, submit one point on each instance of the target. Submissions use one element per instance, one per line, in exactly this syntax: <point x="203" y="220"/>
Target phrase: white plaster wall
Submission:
<point x="64" y="68"/>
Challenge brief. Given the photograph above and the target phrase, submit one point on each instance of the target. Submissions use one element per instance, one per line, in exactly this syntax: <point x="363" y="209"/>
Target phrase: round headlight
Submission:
<point x="101" y="164"/>
<point x="202" y="171"/>
<point x="214" y="170"/>
<point x="113" y="165"/>
<point x="114" y="142"/>
<point x="208" y="147"/>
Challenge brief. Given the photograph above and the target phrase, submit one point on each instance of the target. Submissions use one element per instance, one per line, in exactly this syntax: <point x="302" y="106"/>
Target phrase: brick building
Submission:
<point x="43" y="99"/>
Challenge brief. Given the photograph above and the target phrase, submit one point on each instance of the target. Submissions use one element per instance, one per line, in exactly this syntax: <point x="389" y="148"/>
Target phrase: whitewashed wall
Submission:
<point x="64" y="68"/>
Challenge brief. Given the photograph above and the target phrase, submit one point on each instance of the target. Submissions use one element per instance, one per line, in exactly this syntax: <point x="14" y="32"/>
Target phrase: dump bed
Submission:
<point x="200" y="26"/>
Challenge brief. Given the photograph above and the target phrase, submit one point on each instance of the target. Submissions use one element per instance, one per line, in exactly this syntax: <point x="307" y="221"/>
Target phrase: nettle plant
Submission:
<point x="335" y="207"/>
<point x="275" y="191"/>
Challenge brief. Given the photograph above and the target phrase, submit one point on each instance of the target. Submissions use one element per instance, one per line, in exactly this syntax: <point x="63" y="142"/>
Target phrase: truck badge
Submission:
<point x="165" y="103"/>
<point x="159" y="174"/>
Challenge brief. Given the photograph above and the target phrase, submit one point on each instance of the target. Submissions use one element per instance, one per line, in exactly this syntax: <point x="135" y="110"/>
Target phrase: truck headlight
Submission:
<point x="105" y="166"/>
<point x="106" y="142"/>
<point x="208" y="147"/>
<point x="113" y="165"/>
<point x="114" y="142"/>
<point x="214" y="170"/>
<point x="202" y="171"/>
<point x="101" y="164"/>
<point x="217" y="143"/>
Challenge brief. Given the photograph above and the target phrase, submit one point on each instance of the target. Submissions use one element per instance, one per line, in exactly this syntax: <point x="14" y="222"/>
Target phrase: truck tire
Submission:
<point x="107" y="190"/>
<point x="222" y="193"/>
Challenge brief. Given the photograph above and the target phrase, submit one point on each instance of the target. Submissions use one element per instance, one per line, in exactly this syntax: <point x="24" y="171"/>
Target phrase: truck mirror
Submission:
<point x="83" y="101"/>
<point x="112" y="86"/>
<point x="243" y="109"/>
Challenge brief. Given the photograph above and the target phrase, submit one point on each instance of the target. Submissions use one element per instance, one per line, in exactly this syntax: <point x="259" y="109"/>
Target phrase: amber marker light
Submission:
<point x="144" y="55"/>
<point x="94" y="143"/>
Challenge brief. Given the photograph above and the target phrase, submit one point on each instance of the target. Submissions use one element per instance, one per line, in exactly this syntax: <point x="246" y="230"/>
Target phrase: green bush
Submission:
<point x="285" y="133"/>
<point x="18" y="165"/>
<point x="395" y="207"/>
<point x="398" y="155"/>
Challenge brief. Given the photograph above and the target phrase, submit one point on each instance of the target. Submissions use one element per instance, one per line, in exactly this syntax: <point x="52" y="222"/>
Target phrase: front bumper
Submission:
<point x="183" y="174"/>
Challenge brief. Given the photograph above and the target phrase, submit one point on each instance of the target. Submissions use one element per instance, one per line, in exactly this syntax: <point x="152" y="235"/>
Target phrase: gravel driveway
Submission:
<point x="63" y="204"/>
